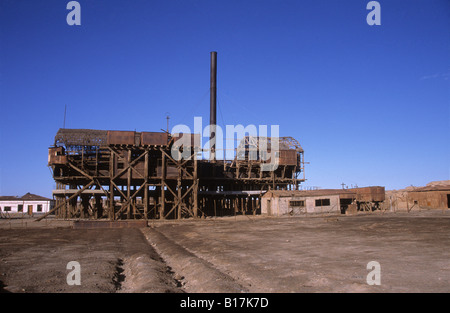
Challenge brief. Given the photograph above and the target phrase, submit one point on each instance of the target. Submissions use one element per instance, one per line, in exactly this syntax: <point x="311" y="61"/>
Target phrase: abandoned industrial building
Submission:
<point x="111" y="174"/>
<point x="134" y="175"/>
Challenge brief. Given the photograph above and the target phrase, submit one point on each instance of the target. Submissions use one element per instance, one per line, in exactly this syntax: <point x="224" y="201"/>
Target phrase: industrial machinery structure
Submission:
<point x="135" y="175"/>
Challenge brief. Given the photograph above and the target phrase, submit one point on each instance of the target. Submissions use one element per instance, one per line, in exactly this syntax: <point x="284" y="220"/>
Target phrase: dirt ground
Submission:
<point x="232" y="254"/>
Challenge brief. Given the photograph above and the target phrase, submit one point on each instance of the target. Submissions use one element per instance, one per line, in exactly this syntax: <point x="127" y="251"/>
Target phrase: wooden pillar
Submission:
<point x="98" y="206"/>
<point x="195" y="190"/>
<point x="72" y="204"/>
<point x="84" y="206"/>
<point x="163" y="183"/>
<point x="146" y="201"/>
<point x="111" y="187"/>
<point x="129" y="186"/>
<point x="179" y="194"/>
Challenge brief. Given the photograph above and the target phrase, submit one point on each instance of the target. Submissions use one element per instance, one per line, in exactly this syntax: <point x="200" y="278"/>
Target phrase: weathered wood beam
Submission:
<point x="66" y="201"/>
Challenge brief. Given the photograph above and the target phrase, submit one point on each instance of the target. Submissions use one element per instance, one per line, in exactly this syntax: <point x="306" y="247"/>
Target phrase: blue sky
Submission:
<point x="369" y="104"/>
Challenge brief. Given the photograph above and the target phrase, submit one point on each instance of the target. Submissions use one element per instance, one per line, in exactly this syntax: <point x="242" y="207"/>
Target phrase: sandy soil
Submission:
<point x="242" y="254"/>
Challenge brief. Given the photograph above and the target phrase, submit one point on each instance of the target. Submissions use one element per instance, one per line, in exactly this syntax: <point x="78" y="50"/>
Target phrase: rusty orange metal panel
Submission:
<point x="154" y="139"/>
<point x="194" y="139"/>
<point x="56" y="155"/>
<point x="117" y="137"/>
<point x="288" y="157"/>
<point x="369" y="194"/>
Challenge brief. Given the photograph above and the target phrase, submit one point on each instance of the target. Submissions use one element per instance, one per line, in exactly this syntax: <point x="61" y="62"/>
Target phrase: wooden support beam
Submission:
<point x="70" y="198"/>
<point x="129" y="185"/>
<point x="130" y="164"/>
<point x="80" y="170"/>
<point x="195" y="190"/>
<point x="179" y="199"/>
<point x="146" y="200"/>
<point x="163" y="183"/>
<point x="128" y="200"/>
<point x="179" y="195"/>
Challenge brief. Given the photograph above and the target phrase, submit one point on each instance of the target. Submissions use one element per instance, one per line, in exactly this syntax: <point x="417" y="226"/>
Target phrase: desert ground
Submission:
<point x="242" y="254"/>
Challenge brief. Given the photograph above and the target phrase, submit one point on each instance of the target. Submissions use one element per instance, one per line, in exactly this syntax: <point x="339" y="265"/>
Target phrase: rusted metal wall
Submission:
<point x="117" y="137"/>
<point x="429" y="199"/>
<point x="370" y="194"/>
<point x="288" y="157"/>
<point x="154" y="139"/>
<point x="56" y="155"/>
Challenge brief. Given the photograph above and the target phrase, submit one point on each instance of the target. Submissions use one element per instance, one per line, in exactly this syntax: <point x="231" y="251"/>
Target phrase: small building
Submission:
<point x="435" y="195"/>
<point x="28" y="204"/>
<point x="430" y="197"/>
<point x="293" y="202"/>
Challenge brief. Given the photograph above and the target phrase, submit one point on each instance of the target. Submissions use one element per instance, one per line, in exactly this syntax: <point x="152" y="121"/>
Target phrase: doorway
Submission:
<point x="344" y="203"/>
<point x="30" y="209"/>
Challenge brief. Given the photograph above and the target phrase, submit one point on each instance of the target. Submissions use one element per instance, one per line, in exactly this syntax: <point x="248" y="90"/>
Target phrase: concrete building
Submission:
<point x="293" y="202"/>
<point x="28" y="204"/>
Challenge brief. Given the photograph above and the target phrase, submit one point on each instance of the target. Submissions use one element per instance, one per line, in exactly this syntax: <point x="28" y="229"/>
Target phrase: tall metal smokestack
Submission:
<point x="213" y="98"/>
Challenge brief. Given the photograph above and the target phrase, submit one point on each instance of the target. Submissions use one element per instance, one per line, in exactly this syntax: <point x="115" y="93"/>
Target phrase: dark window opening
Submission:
<point x="7" y="209"/>
<point x="39" y="207"/>
<point x="20" y="208"/>
<point x="322" y="202"/>
<point x="300" y="203"/>
<point x="346" y="201"/>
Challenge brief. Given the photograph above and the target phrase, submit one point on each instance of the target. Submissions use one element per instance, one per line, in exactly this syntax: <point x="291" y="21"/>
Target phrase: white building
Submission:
<point x="28" y="204"/>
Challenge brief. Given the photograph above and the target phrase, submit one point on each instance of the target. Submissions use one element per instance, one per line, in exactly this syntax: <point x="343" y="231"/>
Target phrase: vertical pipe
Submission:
<point x="213" y="99"/>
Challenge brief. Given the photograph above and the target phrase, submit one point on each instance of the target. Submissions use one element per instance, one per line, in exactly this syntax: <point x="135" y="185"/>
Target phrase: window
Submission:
<point x="20" y="208"/>
<point x="7" y="209"/>
<point x="39" y="207"/>
<point x="322" y="202"/>
<point x="300" y="203"/>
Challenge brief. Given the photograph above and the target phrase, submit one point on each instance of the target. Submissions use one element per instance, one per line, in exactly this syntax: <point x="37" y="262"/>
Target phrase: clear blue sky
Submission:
<point x="369" y="104"/>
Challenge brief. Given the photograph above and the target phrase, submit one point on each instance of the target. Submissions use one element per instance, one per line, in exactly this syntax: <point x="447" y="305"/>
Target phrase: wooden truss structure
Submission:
<point x="130" y="175"/>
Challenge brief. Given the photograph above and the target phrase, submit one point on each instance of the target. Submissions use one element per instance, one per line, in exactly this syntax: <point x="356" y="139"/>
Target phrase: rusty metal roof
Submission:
<point x="80" y="137"/>
<point x="306" y="193"/>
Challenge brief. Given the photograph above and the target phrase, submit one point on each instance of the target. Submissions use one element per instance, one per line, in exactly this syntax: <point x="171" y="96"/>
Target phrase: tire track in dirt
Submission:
<point x="197" y="275"/>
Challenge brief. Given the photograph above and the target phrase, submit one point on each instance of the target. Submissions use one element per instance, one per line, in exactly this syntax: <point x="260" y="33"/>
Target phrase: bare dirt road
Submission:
<point x="233" y="254"/>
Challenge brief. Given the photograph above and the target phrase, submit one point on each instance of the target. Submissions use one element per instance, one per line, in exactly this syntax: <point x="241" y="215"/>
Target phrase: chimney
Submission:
<point x="213" y="96"/>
